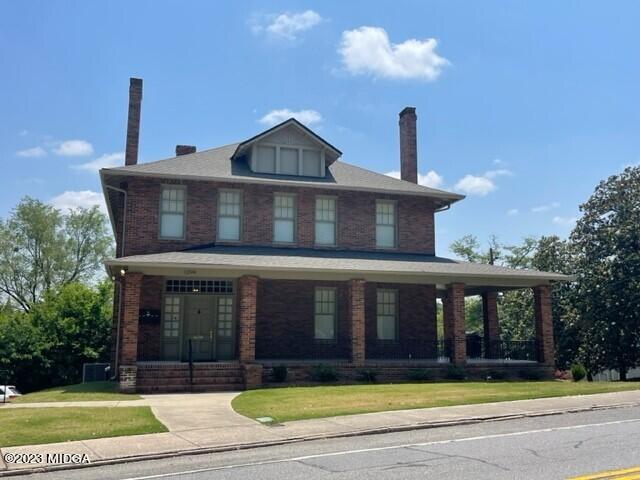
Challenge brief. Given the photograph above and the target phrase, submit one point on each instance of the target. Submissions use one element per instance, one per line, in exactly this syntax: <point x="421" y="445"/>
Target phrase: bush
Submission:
<point x="279" y="373"/>
<point x="496" y="375"/>
<point x="324" y="373"/>
<point x="578" y="372"/>
<point x="531" y="374"/>
<point x="367" y="375"/>
<point x="419" y="375"/>
<point x="455" y="373"/>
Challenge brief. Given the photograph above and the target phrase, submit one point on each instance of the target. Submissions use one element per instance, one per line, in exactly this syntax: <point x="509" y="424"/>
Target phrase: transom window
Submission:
<point x="199" y="286"/>
<point x="387" y="314"/>
<point x="171" y="316"/>
<point x="229" y="214"/>
<point x="325" y="313"/>
<point x="385" y="224"/>
<point x="284" y="218"/>
<point x="325" y="221"/>
<point x="172" y="202"/>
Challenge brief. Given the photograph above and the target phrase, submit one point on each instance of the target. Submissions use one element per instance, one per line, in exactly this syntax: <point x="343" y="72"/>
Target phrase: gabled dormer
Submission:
<point x="289" y="149"/>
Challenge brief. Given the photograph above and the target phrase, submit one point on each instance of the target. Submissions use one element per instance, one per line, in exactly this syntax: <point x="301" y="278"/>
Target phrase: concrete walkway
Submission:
<point x="206" y="422"/>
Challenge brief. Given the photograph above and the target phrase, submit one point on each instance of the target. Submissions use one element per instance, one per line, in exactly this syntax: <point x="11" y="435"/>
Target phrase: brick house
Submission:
<point x="274" y="251"/>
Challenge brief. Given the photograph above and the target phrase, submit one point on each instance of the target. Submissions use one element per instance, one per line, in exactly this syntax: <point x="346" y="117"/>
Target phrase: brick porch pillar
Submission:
<point x="544" y="324"/>
<point x="129" y="331"/>
<point x="454" y="327"/>
<point x="491" y="324"/>
<point x="357" y="320"/>
<point x="247" y="301"/>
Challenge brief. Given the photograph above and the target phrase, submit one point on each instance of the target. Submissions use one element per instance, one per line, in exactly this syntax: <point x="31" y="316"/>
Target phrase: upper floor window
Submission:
<point x="385" y="224"/>
<point x="229" y="214"/>
<point x="387" y="314"/>
<point x="325" y="221"/>
<point x="284" y="218"/>
<point x="172" y="203"/>
<point x="325" y="313"/>
<point x="287" y="160"/>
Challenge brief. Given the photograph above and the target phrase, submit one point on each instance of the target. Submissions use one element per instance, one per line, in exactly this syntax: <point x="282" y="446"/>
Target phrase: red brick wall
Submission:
<point x="247" y="302"/>
<point x="130" y="314"/>
<point x="454" y="322"/>
<point x="284" y="325"/>
<point x="149" y="335"/>
<point x="356" y="217"/>
<point x="544" y="324"/>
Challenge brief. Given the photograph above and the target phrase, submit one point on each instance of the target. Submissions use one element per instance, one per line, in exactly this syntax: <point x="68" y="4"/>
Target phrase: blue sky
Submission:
<point x="524" y="106"/>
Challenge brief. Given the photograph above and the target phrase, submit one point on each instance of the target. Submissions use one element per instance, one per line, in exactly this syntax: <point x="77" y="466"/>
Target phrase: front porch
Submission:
<point x="219" y="332"/>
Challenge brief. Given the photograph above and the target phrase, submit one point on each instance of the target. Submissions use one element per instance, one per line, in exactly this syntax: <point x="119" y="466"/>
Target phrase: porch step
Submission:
<point x="156" y="378"/>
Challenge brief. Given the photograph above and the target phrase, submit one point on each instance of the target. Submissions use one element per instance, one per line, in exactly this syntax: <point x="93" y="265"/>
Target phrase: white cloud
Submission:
<point x="73" y="199"/>
<point x="545" y="208"/>
<point x="498" y="162"/>
<point x="564" y="221"/>
<point x="107" y="160"/>
<point x="498" y="173"/>
<point x="430" y="179"/>
<point x="308" y="117"/>
<point x="32" y="152"/>
<point x="285" y="25"/>
<point x="475" y="185"/>
<point x="367" y="50"/>
<point x="512" y="212"/>
<point x="73" y="148"/>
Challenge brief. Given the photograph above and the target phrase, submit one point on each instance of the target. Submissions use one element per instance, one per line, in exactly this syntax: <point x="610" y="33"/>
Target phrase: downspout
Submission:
<point x="119" y="282"/>
<point x="443" y="209"/>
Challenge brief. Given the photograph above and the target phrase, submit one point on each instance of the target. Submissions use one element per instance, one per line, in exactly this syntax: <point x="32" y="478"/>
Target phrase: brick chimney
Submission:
<point x="133" y="121"/>
<point x="408" y="145"/>
<point x="185" y="150"/>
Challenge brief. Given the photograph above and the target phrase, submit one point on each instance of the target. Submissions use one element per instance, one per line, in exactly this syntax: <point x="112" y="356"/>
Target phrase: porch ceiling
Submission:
<point x="298" y="263"/>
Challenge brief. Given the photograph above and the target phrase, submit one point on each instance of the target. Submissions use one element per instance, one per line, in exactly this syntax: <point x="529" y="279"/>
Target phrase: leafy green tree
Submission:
<point x="607" y="247"/>
<point x="42" y="249"/>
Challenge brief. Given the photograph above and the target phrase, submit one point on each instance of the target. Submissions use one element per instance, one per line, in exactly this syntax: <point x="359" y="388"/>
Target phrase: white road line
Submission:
<point x="378" y="449"/>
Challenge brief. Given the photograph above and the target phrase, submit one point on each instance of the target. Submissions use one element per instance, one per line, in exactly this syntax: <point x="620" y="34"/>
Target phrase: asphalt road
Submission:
<point x="559" y="446"/>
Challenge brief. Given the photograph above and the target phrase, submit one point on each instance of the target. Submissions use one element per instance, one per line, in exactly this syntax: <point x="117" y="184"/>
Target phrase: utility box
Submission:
<point x="95" y="372"/>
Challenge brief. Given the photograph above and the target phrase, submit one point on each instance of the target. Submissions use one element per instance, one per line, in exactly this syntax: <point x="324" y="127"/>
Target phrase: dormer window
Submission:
<point x="288" y="160"/>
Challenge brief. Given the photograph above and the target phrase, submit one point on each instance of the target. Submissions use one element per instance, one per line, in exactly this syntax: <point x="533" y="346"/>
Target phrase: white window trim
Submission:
<point x="168" y="186"/>
<point x="295" y="218"/>
<point x="322" y="166"/>
<point x="395" y="224"/>
<point x="396" y="314"/>
<point x="335" y="221"/>
<point x="241" y="215"/>
<point x="335" y="315"/>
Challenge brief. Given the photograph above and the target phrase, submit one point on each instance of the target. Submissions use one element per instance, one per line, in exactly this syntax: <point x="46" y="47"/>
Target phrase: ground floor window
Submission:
<point x="171" y="317"/>
<point x="387" y="314"/>
<point x="325" y="313"/>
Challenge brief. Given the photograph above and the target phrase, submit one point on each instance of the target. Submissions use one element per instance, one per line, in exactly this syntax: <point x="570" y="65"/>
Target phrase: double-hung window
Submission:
<point x="172" y="204"/>
<point x="325" y="221"/>
<point x="284" y="218"/>
<point x="385" y="224"/>
<point x="325" y="313"/>
<point x="387" y="314"/>
<point x="229" y="215"/>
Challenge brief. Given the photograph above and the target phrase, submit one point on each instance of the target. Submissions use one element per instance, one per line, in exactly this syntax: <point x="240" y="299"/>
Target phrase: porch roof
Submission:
<point x="300" y="263"/>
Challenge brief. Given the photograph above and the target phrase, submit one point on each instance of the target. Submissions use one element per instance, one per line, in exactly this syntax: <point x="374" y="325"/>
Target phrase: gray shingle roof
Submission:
<point x="217" y="164"/>
<point x="331" y="261"/>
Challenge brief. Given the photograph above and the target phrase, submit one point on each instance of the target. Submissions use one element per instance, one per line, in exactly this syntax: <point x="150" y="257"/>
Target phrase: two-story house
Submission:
<point x="274" y="251"/>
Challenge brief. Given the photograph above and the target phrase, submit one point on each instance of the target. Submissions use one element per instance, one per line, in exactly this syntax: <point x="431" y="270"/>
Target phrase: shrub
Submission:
<point x="324" y="373"/>
<point x="455" y="373"/>
<point x="578" y="372"/>
<point x="496" y="375"/>
<point x="367" y="375"/>
<point x="530" y="374"/>
<point x="419" y="375"/>
<point x="279" y="373"/>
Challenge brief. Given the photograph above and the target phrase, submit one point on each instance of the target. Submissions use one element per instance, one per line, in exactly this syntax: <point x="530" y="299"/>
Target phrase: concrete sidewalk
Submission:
<point x="201" y="423"/>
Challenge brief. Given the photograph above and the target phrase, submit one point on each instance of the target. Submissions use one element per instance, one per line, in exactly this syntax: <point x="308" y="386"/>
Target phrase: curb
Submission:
<point x="286" y="441"/>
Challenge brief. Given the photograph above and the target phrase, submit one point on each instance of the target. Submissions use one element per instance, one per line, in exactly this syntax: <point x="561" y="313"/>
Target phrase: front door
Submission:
<point x="200" y="328"/>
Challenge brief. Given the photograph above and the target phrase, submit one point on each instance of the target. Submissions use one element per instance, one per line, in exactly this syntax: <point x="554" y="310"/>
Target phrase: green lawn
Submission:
<point x="81" y="392"/>
<point x="32" y="426"/>
<point x="297" y="403"/>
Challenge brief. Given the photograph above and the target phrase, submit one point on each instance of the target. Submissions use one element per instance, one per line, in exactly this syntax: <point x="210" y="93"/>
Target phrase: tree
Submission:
<point x="607" y="247"/>
<point x="42" y="249"/>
